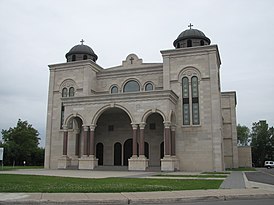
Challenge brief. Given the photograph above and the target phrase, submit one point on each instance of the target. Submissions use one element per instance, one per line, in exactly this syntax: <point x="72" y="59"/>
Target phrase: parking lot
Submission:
<point x="263" y="175"/>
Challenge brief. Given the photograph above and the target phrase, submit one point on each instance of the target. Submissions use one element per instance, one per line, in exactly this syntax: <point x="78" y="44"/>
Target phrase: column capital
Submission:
<point x="142" y="125"/>
<point x="134" y="126"/>
<point x="85" y="127"/>
<point x="92" y="127"/>
<point x="173" y="128"/>
<point x="167" y="124"/>
<point x="65" y="128"/>
<point x="77" y="130"/>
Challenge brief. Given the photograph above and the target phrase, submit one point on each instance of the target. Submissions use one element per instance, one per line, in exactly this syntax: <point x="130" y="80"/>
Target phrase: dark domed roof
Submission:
<point x="191" y="34"/>
<point x="81" y="49"/>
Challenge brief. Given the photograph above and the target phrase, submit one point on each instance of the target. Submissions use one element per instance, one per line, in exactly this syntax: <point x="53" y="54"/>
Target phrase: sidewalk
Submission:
<point x="229" y="191"/>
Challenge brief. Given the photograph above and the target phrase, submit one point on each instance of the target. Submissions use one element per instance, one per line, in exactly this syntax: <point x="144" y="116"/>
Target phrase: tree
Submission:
<point x="262" y="143"/>
<point x="21" y="144"/>
<point x="243" y="133"/>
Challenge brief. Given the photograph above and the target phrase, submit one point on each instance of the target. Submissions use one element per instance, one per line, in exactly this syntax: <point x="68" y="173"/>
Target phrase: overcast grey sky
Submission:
<point x="36" y="33"/>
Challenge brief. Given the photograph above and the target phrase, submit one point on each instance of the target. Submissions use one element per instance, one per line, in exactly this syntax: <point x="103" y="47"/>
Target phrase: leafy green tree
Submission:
<point x="243" y="134"/>
<point x="21" y="144"/>
<point x="262" y="143"/>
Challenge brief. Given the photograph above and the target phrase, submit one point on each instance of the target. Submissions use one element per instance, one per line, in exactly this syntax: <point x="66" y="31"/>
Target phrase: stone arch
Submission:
<point x="147" y="113"/>
<point x="114" y="85"/>
<point x="106" y="107"/>
<point x="70" y="117"/>
<point x="189" y="72"/>
<point x="146" y="83"/>
<point x="68" y="83"/>
<point x="131" y="79"/>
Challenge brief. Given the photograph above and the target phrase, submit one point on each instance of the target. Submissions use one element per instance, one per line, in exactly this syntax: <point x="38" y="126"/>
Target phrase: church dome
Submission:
<point x="190" y="38"/>
<point x="81" y="52"/>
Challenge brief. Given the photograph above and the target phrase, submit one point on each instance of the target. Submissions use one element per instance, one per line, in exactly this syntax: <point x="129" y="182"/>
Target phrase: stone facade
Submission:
<point x="170" y="115"/>
<point x="245" y="159"/>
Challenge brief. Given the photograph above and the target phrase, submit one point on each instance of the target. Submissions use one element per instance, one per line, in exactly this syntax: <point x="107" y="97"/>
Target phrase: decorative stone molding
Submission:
<point x="67" y="84"/>
<point x="131" y="60"/>
<point x="189" y="72"/>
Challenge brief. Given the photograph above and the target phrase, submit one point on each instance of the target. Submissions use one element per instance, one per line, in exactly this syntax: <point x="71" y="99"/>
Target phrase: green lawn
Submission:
<point x="49" y="184"/>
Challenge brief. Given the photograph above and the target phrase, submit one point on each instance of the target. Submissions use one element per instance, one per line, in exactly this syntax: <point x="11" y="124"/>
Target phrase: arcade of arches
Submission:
<point x="116" y="141"/>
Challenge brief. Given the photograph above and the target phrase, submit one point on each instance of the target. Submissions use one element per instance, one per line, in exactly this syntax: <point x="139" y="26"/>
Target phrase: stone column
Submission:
<point x="91" y="140"/>
<point x="77" y="142"/>
<point x="138" y="163"/>
<point x="88" y="162"/>
<point x="64" y="161"/>
<point x="65" y="142"/>
<point x="167" y="139"/>
<point x="142" y="139"/>
<point x="168" y="162"/>
<point x="134" y="140"/>
<point x="173" y="145"/>
<point x="85" y="138"/>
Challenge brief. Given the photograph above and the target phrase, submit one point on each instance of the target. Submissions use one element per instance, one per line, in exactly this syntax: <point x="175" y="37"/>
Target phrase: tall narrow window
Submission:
<point x="62" y="116"/>
<point x="195" y="100"/>
<point x="85" y="57"/>
<point x="189" y="43"/>
<point x="64" y="92"/>
<point x="71" y="91"/>
<point x="73" y="58"/>
<point x="202" y="43"/>
<point x="186" y="111"/>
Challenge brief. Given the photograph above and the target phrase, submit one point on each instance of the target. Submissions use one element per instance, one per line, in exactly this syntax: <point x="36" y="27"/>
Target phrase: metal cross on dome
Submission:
<point x="82" y="41"/>
<point x="190" y="25"/>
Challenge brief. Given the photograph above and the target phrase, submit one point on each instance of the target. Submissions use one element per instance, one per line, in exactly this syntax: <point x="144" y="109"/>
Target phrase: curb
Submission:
<point x="128" y="199"/>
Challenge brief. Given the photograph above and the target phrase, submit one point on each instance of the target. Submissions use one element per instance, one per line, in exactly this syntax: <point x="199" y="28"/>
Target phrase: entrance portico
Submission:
<point x="116" y="141"/>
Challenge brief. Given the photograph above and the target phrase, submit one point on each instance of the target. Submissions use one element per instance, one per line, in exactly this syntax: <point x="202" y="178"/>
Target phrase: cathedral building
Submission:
<point x="170" y="115"/>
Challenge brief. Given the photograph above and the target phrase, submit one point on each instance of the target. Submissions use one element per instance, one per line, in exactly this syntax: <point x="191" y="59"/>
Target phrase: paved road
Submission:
<point x="232" y="202"/>
<point x="262" y="175"/>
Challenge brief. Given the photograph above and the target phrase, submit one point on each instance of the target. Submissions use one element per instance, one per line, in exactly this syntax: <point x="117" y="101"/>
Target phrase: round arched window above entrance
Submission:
<point x="132" y="86"/>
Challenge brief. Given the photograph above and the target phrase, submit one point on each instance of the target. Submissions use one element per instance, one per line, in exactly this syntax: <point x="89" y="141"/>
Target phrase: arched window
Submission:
<point x="71" y="91"/>
<point x="195" y="101"/>
<point x="186" y="109"/>
<point x="64" y="92"/>
<point x="189" y="43"/>
<point x="191" y="113"/>
<point x="62" y="116"/>
<point x="132" y="86"/>
<point x="85" y="57"/>
<point x="178" y="45"/>
<point x="148" y="87"/>
<point x="114" y="89"/>
<point x="73" y="58"/>
<point x="202" y="43"/>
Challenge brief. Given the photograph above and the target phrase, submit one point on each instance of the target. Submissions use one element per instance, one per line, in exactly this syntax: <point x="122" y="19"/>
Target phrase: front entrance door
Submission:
<point x="127" y="151"/>
<point x="100" y="153"/>
<point x="117" y="154"/>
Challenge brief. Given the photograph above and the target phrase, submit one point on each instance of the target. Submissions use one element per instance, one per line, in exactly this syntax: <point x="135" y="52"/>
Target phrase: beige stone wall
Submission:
<point x="245" y="157"/>
<point x="229" y="129"/>
<point x="198" y="147"/>
<point x="204" y="147"/>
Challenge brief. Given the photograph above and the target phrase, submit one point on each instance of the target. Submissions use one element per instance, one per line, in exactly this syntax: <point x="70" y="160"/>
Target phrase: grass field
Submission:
<point x="49" y="184"/>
